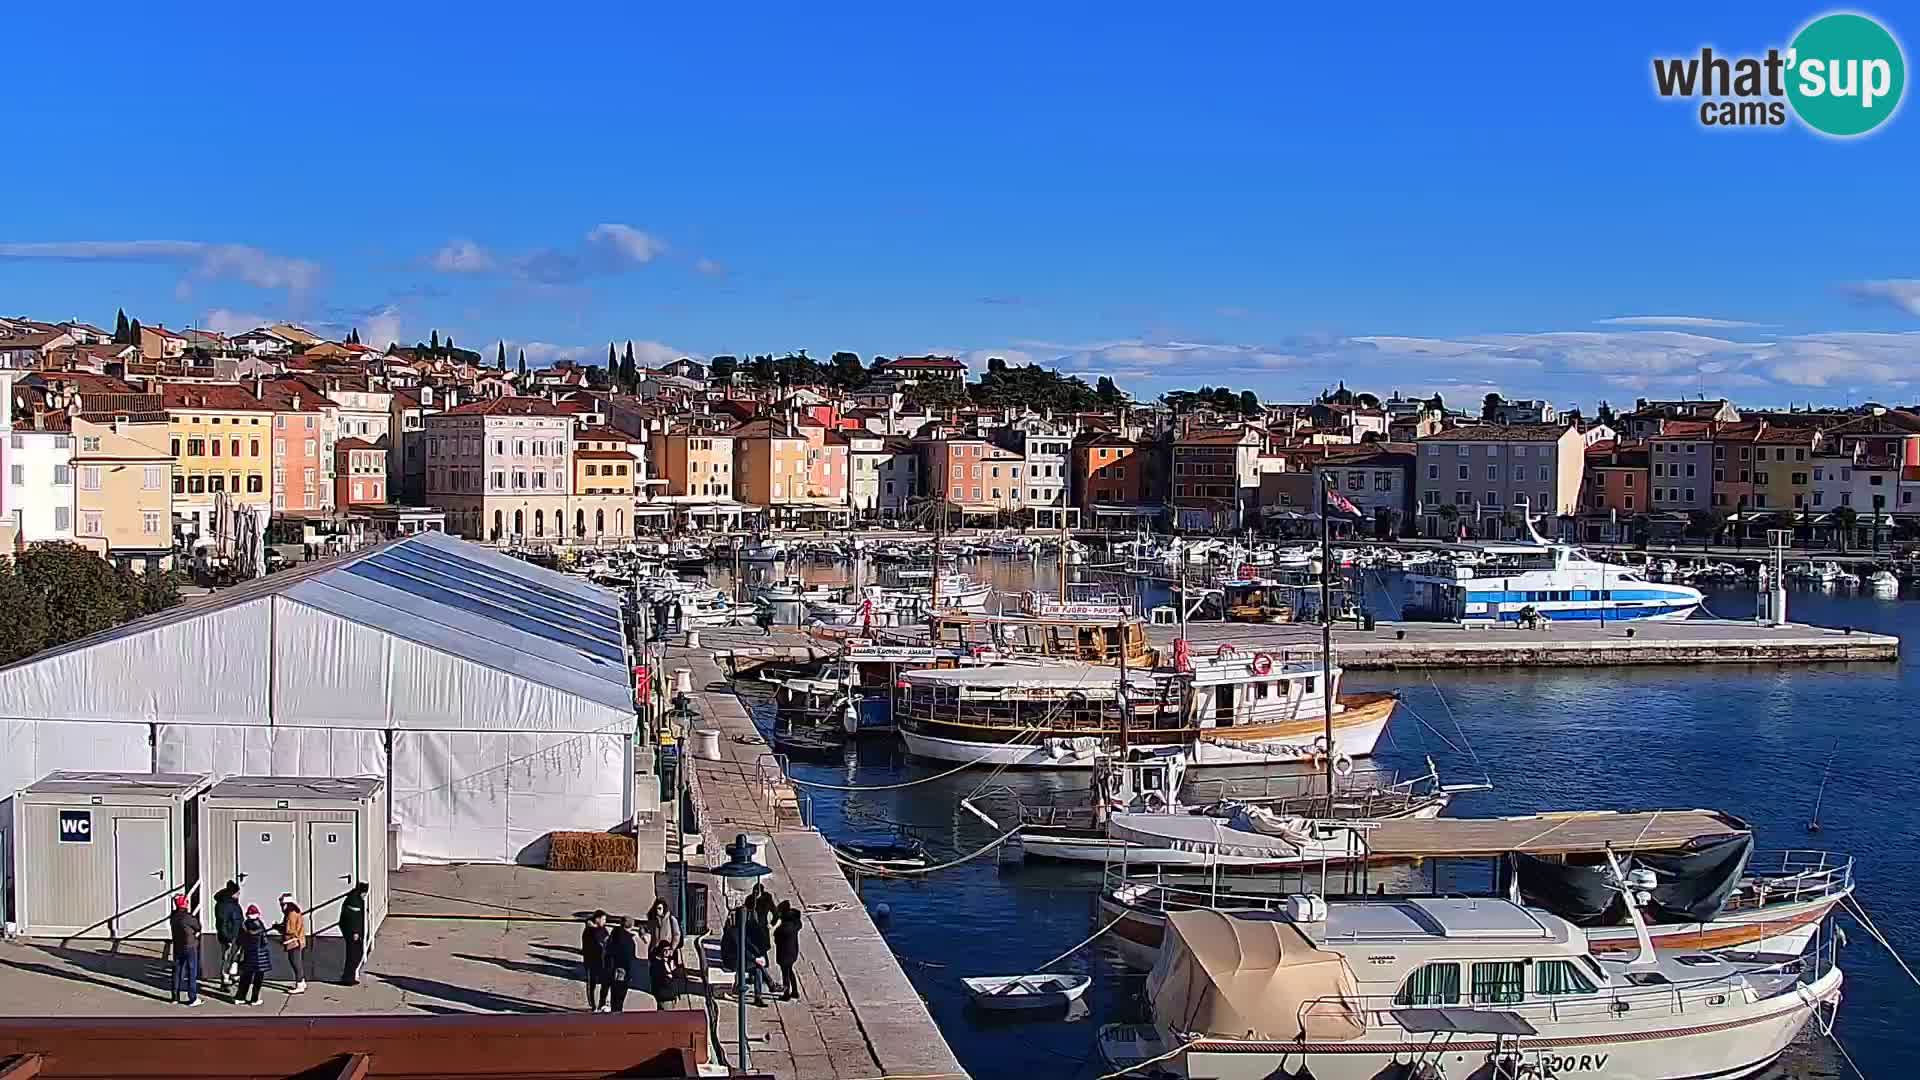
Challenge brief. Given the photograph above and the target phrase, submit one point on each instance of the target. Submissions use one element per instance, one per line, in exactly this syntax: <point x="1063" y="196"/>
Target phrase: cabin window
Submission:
<point x="1286" y="688"/>
<point x="1223" y="705"/>
<point x="1498" y="983"/>
<point x="1433" y="984"/>
<point x="1553" y="977"/>
<point x="1260" y="691"/>
<point x="1310" y="680"/>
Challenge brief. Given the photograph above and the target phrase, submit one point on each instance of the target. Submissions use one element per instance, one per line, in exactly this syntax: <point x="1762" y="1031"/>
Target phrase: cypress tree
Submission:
<point x="434" y="342"/>
<point x="523" y="367"/>
<point x="629" y="374"/>
<point x="120" y="328"/>
<point x="500" y="358"/>
<point x="133" y="333"/>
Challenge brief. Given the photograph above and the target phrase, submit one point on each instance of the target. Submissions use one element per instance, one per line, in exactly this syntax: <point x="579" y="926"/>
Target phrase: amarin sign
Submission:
<point x="1842" y="76"/>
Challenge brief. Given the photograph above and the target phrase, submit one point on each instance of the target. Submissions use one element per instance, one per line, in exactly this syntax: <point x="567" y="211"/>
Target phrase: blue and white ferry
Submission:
<point x="1494" y="582"/>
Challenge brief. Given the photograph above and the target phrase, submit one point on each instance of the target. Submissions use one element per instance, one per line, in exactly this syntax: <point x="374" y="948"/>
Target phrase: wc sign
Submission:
<point x="76" y="826"/>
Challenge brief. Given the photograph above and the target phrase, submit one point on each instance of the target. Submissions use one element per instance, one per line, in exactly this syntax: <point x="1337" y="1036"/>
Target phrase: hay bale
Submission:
<point x="592" y="851"/>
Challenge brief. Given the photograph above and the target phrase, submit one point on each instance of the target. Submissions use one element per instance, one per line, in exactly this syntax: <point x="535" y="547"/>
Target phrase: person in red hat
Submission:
<point x="255" y="958"/>
<point x="185" y="928"/>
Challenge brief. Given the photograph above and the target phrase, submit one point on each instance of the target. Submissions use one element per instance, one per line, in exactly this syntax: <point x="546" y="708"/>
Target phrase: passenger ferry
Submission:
<point x="1501" y="582"/>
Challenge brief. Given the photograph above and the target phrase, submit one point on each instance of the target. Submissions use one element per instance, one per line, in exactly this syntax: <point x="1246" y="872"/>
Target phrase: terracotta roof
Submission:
<point x="1681" y="429"/>
<point x="509" y="406"/>
<point x="1499" y="433"/>
<point x="1218" y="437"/>
<point x="601" y="433"/>
<point x="602" y="455"/>
<point x="278" y="395"/>
<point x="353" y="444"/>
<point x="1785" y="436"/>
<point x="228" y="396"/>
<point x="766" y="428"/>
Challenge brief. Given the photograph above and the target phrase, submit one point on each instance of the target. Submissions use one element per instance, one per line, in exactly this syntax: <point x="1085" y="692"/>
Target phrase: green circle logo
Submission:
<point x="1845" y="74"/>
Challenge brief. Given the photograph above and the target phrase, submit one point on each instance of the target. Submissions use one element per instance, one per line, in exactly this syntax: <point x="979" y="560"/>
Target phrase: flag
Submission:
<point x="1341" y="503"/>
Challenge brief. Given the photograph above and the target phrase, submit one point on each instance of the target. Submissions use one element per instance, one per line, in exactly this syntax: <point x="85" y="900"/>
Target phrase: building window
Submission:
<point x="256" y="484"/>
<point x="90" y="523"/>
<point x="150" y="523"/>
<point x="62" y="476"/>
<point x="62" y="519"/>
<point x="90" y="480"/>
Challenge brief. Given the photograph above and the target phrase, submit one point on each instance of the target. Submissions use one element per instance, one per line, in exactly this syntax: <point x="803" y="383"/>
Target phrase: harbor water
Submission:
<point x="1751" y="740"/>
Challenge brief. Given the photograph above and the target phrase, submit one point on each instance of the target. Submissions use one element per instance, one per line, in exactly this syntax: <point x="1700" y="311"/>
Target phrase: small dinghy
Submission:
<point x="903" y="853"/>
<point x="1017" y="992"/>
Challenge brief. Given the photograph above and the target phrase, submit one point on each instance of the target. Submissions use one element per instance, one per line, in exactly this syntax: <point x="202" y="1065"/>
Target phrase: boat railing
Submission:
<point x="1361" y="783"/>
<point x="1796" y="875"/>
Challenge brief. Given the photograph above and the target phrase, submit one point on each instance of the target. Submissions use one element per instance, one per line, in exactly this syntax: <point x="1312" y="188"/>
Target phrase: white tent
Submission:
<point x="494" y="697"/>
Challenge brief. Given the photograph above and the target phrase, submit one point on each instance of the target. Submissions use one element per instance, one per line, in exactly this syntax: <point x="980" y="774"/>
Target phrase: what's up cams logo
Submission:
<point x="1842" y="76"/>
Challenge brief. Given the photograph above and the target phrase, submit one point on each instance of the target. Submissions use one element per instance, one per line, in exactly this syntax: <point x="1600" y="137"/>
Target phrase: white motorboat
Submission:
<point x="1817" y="572"/>
<point x="708" y="607"/>
<point x="767" y="550"/>
<point x="1013" y="993"/>
<point x="1504" y="581"/>
<point x="1450" y="986"/>
<point x="1883" y="583"/>
<point x="792" y="590"/>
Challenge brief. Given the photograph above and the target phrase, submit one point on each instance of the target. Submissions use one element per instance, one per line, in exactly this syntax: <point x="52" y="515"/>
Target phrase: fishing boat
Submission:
<point x="1082" y="600"/>
<point x="1119" y="818"/>
<point x="707" y="607"/>
<point x="1011" y="993"/>
<point x="1507" y="581"/>
<point x="1717" y="893"/>
<point x="1091" y="641"/>
<point x="763" y="550"/>
<point x="1817" y="572"/>
<point x="1228" y="709"/>
<point x="1883" y="583"/>
<point x="1451" y="986"/>
<point x="792" y="590"/>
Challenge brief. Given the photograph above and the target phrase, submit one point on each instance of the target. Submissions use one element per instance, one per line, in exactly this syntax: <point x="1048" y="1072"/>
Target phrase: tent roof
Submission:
<point x="434" y="591"/>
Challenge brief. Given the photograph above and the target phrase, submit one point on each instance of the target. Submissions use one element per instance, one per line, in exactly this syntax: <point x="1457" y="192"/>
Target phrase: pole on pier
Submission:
<point x="1326" y="631"/>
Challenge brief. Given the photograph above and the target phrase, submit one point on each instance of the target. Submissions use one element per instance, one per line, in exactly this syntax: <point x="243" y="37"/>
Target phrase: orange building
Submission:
<point x="299" y="419"/>
<point x="770" y="461"/>
<point x="1615" y="489"/>
<point x="693" y="463"/>
<point x="1109" y="470"/>
<point x="359" y="473"/>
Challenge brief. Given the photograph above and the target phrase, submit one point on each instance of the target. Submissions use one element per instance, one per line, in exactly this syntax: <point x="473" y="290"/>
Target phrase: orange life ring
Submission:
<point x="1262" y="663"/>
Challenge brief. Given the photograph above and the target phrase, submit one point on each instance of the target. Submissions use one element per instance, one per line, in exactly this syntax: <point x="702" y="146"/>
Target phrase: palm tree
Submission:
<point x="1845" y="519"/>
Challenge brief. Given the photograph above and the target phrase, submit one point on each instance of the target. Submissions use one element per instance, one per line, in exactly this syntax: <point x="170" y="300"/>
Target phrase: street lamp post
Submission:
<point x="741" y="867"/>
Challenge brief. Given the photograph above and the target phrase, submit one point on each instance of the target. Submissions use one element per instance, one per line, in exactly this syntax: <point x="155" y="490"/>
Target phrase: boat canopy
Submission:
<point x="1251" y="977"/>
<point x="1694" y="884"/>
<point x="1202" y="835"/>
<point x="1092" y="681"/>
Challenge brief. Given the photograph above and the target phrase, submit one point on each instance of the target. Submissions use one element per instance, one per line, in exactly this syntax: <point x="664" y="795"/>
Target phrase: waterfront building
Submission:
<point x="500" y="468"/>
<point x="1216" y="478"/>
<point x="602" y="500"/>
<point x="1376" y="481"/>
<point x="1044" y="446"/>
<point x="303" y="466"/>
<point x="900" y="477"/>
<point x="39" y="496"/>
<point x="123" y="489"/>
<point x="360" y="474"/>
<point x="220" y="436"/>
<point x="1109" y="477"/>
<point x="1680" y="466"/>
<point x="1615" y="491"/>
<point x="1483" y="471"/>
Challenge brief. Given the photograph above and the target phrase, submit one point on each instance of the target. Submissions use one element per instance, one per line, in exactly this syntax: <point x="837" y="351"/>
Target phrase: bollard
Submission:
<point x="706" y="743"/>
<point x="693" y="638"/>
<point x="682" y="680"/>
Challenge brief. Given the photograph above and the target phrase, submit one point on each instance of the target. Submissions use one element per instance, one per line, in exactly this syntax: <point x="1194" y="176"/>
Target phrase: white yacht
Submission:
<point x="1501" y="581"/>
<point x="1453" y="987"/>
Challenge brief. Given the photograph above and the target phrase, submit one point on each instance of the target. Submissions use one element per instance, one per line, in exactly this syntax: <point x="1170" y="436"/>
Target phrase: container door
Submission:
<point x="334" y="864"/>
<point x="142" y="851"/>
<point x="264" y="850"/>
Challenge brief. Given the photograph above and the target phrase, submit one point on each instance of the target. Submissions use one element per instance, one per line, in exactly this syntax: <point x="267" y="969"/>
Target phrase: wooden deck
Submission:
<point x="1547" y="834"/>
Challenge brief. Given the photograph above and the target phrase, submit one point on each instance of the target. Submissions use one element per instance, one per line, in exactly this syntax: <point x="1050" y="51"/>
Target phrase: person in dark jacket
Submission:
<point x="593" y="953"/>
<point x="623" y="956"/>
<point x="759" y="945"/>
<point x="184" y="927"/>
<point x="660" y="969"/>
<point x="353" y="933"/>
<point x="256" y="959"/>
<point x="227" y="917"/>
<point x="786" y="948"/>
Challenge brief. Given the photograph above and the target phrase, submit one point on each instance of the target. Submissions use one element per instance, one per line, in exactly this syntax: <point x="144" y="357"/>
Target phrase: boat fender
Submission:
<point x="1262" y="663"/>
<point x="1342" y="765"/>
<point x="1223" y="651"/>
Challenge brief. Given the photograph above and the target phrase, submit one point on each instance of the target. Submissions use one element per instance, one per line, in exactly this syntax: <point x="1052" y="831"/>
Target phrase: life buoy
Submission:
<point x="1342" y="765"/>
<point x="1223" y="651"/>
<point x="1262" y="663"/>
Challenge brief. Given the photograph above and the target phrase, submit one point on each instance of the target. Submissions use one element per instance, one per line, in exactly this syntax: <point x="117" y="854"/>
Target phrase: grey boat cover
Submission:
<point x="1694" y="884"/>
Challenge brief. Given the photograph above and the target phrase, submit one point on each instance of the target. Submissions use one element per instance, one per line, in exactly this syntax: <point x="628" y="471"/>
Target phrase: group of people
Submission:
<point x="769" y="932"/>
<point x="623" y="956"/>
<point x="245" y="953"/>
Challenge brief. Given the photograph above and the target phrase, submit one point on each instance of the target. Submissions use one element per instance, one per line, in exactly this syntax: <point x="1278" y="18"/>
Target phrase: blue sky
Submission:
<point x="1278" y="199"/>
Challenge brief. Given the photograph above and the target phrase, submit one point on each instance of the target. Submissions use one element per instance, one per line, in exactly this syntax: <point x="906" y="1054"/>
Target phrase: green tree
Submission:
<point x="500" y="356"/>
<point x="721" y="368"/>
<point x="846" y="372"/>
<point x="1845" y="520"/>
<point x="133" y="333"/>
<point x="120" y="328"/>
<point x="80" y="592"/>
<point x="937" y="394"/>
<point x="1450" y="516"/>
<point x="154" y="590"/>
<point x="523" y="367"/>
<point x="1436" y="404"/>
<point x="353" y="336"/>
<point x="1249" y="403"/>
<point x="629" y="371"/>
<point x="1367" y="400"/>
<point x="1605" y="414"/>
<point x="433" y="341"/>
<point x="24" y="631"/>
<point x="1641" y="529"/>
<point x="613" y="358"/>
<point x="1107" y="393"/>
<point x="1490" y="406"/>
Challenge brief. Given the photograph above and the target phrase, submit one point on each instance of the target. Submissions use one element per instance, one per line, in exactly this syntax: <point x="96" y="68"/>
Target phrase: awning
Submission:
<point x="1251" y="976"/>
<point x="1200" y="835"/>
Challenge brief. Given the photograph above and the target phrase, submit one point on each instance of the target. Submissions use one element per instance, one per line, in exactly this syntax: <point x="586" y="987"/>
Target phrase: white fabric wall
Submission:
<point x="465" y="796"/>
<point x="328" y="672"/>
<point x="270" y="751"/>
<point x="209" y="668"/>
<point x="30" y="749"/>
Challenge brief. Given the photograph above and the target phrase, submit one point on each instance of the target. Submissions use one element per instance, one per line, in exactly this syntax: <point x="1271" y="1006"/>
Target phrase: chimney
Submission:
<point x="39" y="418"/>
<point x="257" y="387"/>
<point x="296" y="403"/>
<point x="426" y="395"/>
<point x="453" y="396"/>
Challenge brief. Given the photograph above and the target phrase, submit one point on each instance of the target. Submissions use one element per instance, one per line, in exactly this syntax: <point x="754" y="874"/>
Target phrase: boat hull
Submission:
<point x="1104" y="850"/>
<point x="1741" y="1038"/>
<point x="1356" y="729"/>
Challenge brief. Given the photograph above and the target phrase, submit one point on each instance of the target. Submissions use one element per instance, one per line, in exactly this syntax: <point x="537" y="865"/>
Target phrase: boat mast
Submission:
<point x="1126" y="706"/>
<point x="1326" y="632"/>
<point x="933" y="603"/>
<point x="1063" y="554"/>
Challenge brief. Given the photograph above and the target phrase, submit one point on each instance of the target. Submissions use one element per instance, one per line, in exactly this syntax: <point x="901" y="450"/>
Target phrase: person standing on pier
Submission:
<point x="184" y="927"/>
<point x="293" y="938"/>
<point x="593" y="953"/>
<point x="623" y="954"/>
<point x="255" y="960"/>
<point x="227" y="918"/>
<point x="353" y="933"/>
<point x="759" y="943"/>
<point x="786" y="948"/>
<point x="662" y="925"/>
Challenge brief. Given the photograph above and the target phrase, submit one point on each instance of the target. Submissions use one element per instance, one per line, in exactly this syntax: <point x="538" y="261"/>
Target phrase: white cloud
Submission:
<point x="1903" y="293"/>
<point x="226" y="321"/>
<point x="380" y="327"/>
<point x="709" y="267"/>
<point x="461" y="257"/>
<point x="1697" y="321"/>
<point x="236" y="262"/>
<point x="624" y="243"/>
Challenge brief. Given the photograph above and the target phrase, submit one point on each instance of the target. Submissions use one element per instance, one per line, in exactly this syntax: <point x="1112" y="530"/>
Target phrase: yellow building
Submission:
<point x="698" y="464"/>
<point x="221" y="438"/>
<point x="123" y="489"/>
<point x="771" y="462"/>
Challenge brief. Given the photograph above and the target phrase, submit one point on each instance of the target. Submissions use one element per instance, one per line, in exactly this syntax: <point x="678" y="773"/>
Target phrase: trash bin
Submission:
<point x="1367" y="621"/>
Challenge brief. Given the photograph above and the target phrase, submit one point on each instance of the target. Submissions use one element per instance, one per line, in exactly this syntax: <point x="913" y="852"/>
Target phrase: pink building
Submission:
<point x="359" y="473"/>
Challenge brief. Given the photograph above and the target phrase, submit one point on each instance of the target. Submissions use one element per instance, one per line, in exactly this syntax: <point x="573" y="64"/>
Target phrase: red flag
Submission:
<point x="1341" y="503"/>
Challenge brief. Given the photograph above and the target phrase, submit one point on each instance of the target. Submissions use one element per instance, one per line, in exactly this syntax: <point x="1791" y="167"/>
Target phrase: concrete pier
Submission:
<point x="857" y="1015"/>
